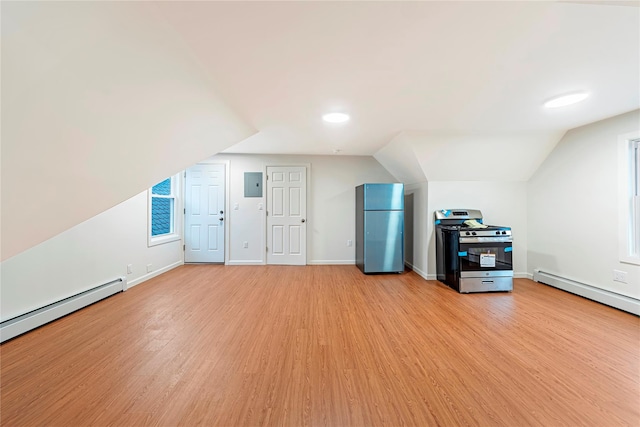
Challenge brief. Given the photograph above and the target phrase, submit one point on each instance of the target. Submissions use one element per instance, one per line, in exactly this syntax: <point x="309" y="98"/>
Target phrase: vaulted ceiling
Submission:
<point x="102" y="99"/>
<point x="428" y="67"/>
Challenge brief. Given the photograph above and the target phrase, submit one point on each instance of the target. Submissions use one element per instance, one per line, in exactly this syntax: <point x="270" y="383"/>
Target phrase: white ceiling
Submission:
<point x="148" y="88"/>
<point x="425" y="68"/>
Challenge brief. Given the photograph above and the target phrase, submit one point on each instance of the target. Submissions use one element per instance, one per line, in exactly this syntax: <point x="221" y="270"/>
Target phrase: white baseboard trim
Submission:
<point x="332" y="262"/>
<point x="609" y="298"/>
<point x="246" y="262"/>
<point x="19" y="325"/>
<point x="420" y="273"/>
<point x="155" y="273"/>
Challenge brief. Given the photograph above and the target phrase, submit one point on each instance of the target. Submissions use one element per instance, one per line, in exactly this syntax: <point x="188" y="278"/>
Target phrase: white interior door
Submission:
<point x="204" y="213"/>
<point x="286" y="215"/>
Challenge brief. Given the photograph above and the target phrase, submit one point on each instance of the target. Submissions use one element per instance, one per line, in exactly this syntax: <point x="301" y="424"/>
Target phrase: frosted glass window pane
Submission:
<point x="162" y="188"/>
<point x="636" y="166"/>
<point x="634" y="225"/>
<point x="161" y="216"/>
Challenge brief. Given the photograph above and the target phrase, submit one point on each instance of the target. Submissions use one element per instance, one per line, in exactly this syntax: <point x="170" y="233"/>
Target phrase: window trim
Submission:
<point x="634" y="171"/>
<point x="629" y="204"/>
<point x="177" y="208"/>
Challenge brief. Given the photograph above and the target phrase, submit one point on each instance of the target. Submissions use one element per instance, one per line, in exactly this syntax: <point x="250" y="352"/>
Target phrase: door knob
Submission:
<point x="303" y="220"/>
<point x="221" y="212"/>
<point x="221" y="219"/>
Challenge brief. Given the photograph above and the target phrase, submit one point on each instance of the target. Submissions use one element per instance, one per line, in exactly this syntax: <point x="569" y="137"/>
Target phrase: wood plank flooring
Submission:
<point x="326" y="346"/>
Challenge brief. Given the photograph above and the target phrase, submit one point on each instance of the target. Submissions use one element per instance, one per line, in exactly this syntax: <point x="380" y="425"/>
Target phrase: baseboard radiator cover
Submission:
<point x="621" y="302"/>
<point x="19" y="325"/>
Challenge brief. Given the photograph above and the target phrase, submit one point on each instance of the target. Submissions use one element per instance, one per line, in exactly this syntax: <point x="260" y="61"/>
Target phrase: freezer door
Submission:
<point x="383" y="241"/>
<point x="382" y="197"/>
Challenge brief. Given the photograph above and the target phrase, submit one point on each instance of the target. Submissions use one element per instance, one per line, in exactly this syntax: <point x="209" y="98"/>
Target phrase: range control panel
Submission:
<point x="458" y="214"/>
<point x="486" y="233"/>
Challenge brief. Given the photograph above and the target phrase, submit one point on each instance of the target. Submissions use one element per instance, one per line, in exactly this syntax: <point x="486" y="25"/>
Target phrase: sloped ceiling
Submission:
<point x="400" y="159"/>
<point x="428" y="84"/>
<point x="98" y="104"/>
<point x="507" y="156"/>
<point x="431" y="66"/>
<point x="102" y="99"/>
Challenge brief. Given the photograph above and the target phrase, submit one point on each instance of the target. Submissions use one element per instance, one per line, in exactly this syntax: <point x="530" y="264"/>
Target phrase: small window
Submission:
<point x="634" y="199"/>
<point x="629" y="220"/>
<point x="163" y="224"/>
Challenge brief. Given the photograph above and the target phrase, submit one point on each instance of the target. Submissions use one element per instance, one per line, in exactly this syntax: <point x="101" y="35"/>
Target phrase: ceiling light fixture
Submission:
<point x="335" y="117"/>
<point x="564" y="100"/>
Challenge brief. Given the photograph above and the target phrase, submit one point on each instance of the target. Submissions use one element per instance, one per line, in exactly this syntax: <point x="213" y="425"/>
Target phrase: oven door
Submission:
<point x="485" y="255"/>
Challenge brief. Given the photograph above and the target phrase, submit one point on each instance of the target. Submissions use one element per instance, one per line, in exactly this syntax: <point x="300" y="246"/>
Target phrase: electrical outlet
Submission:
<point x="245" y="245"/>
<point x="619" y="276"/>
<point x="349" y="243"/>
<point x="129" y="268"/>
<point x="149" y="268"/>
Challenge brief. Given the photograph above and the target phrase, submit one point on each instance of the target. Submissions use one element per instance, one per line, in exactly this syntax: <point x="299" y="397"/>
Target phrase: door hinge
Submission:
<point x="267" y="248"/>
<point x="267" y="213"/>
<point x="185" y="211"/>
<point x="184" y="247"/>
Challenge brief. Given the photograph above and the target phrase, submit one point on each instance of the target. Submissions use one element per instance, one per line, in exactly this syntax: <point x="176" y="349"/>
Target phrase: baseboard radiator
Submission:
<point x="622" y="302"/>
<point x="19" y="325"/>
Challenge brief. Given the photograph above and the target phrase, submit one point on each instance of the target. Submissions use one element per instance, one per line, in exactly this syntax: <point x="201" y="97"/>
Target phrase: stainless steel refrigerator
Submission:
<point x="380" y="228"/>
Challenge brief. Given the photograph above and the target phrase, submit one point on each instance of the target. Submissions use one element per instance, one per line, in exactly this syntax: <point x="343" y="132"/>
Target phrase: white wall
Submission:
<point x="330" y="205"/>
<point x="501" y="203"/>
<point x="573" y="208"/>
<point x="87" y="255"/>
<point x="101" y="102"/>
<point x="421" y="217"/>
<point x="99" y="249"/>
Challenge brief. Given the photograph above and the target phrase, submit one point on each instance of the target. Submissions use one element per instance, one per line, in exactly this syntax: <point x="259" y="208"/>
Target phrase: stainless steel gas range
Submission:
<point x="472" y="256"/>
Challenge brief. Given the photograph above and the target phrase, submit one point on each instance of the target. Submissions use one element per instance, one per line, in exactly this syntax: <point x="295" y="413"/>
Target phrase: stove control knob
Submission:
<point x="473" y="232"/>
<point x="504" y="232"/>
<point x="497" y="232"/>
<point x="467" y="233"/>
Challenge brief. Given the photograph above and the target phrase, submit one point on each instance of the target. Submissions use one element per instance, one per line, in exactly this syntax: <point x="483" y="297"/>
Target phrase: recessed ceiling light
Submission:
<point x="335" y="117"/>
<point x="564" y="100"/>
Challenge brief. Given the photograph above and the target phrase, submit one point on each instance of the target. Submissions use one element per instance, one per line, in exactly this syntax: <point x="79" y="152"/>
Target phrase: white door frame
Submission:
<point x="309" y="216"/>
<point x="226" y="205"/>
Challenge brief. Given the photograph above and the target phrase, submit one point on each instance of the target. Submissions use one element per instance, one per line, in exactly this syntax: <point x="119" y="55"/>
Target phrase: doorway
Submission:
<point x="204" y="223"/>
<point x="287" y="215"/>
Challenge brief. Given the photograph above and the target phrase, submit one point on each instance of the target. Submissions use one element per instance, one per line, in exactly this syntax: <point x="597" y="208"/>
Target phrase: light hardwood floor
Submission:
<point x="325" y="345"/>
